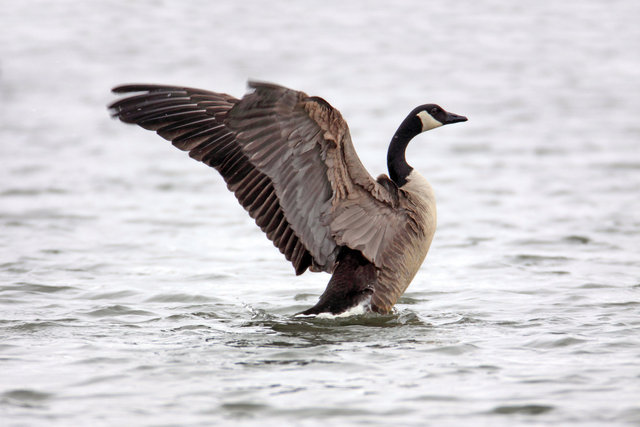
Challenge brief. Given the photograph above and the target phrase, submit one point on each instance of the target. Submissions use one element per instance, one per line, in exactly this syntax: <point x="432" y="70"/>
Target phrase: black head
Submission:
<point x="432" y="116"/>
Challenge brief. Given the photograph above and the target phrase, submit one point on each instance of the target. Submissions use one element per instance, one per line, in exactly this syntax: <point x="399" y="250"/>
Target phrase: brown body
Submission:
<point x="290" y="162"/>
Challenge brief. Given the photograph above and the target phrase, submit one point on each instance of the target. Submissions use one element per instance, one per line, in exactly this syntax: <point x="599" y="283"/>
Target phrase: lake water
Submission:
<point x="135" y="291"/>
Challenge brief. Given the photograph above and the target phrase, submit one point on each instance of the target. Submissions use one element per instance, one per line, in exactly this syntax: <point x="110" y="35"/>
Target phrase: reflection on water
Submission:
<point x="133" y="287"/>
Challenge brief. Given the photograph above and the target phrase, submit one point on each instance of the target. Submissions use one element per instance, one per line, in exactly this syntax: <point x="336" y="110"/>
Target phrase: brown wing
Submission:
<point x="289" y="160"/>
<point x="303" y="144"/>
<point x="193" y="120"/>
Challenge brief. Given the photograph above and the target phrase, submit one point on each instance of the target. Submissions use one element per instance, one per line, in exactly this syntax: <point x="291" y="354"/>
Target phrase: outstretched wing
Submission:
<point x="194" y="121"/>
<point x="289" y="160"/>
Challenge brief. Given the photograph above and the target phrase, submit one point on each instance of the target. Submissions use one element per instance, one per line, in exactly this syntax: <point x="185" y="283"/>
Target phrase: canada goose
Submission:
<point x="289" y="160"/>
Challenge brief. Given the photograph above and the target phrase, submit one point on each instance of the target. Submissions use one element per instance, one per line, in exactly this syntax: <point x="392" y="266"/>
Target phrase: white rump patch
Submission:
<point x="363" y="307"/>
<point x="428" y="122"/>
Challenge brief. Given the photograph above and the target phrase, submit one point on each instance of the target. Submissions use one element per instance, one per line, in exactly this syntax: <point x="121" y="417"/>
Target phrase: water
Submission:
<point x="134" y="290"/>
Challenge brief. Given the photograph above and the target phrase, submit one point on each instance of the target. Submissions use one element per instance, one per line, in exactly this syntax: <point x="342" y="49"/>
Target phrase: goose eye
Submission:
<point x="433" y="111"/>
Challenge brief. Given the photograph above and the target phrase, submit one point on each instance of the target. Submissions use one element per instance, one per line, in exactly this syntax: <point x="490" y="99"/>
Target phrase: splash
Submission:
<point x="363" y="307"/>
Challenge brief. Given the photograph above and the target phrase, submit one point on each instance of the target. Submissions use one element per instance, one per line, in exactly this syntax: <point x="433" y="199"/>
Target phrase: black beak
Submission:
<point x="454" y="118"/>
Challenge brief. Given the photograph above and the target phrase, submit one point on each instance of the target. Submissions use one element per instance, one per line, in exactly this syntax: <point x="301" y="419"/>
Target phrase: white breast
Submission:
<point x="418" y="186"/>
<point x="421" y="194"/>
<point x="421" y="206"/>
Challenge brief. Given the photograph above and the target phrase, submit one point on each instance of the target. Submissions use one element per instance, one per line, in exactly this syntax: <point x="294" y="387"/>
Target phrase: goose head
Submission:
<point x="432" y="116"/>
<point x="421" y="119"/>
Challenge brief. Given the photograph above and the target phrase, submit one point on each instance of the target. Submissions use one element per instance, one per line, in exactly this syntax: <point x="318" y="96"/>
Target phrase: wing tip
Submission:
<point x="256" y="84"/>
<point x="143" y="87"/>
<point x="128" y="88"/>
<point x="115" y="107"/>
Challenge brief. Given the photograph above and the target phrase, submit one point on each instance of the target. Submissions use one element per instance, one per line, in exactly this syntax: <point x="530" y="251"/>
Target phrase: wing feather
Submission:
<point x="303" y="145"/>
<point x="194" y="121"/>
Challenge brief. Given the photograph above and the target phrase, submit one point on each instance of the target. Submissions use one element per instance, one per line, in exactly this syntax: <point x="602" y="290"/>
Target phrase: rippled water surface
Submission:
<point x="134" y="290"/>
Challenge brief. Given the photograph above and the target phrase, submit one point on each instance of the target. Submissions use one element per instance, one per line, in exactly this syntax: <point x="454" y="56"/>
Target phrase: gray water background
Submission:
<point x="135" y="291"/>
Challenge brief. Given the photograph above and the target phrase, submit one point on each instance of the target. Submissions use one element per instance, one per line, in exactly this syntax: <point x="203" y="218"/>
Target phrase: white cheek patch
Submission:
<point x="428" y="122"/>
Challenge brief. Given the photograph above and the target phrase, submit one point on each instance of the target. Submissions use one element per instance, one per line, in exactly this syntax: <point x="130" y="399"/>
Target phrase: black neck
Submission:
<point x="399" y="169"/>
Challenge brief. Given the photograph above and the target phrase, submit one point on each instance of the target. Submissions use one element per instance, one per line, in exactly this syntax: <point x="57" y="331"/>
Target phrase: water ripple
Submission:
<point x="530" y="409"/>
<point x="35" y="288"/>
<point x="117" y="311"/>
<point x="25" y="397"/>
<point x="179" y="298"/>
